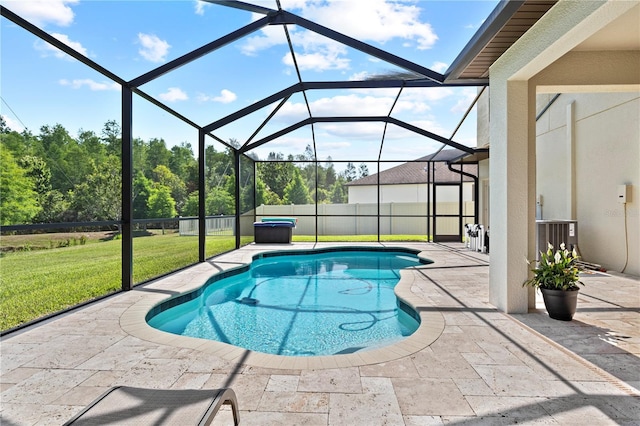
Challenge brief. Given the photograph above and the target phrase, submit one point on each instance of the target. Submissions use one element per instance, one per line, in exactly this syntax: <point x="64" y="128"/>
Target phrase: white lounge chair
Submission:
<point x="123" y="405"/>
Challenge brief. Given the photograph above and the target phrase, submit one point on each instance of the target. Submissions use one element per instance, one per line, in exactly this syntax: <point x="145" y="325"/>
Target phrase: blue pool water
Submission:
<point x="290" y="303"/>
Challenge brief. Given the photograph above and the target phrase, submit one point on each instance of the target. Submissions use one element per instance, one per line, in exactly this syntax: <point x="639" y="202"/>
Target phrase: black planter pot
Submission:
<point x="560" y="304"/>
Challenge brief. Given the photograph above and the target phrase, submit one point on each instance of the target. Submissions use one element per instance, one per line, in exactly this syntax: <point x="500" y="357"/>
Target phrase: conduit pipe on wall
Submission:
<point x="541" y="113"/>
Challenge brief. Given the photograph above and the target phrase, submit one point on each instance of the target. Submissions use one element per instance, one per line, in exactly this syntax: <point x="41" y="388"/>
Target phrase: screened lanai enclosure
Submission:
<point x="157" y="153"/>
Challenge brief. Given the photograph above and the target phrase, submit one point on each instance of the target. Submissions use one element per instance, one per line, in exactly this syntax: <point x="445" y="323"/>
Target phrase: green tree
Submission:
<point x="38" y="171"/>
<point x="140" y="152"/>
<point x="20" y="144"/>
<point x="55" y="208"/>
<point x="112" y="137"/>
<point x="69" y="162"/>
<point x="142" y="188"/>
<point x="363" y="171"/>
<point x="99" y="196"/>
<point x="191" y="205"/>
<point x="321" y="195"/>
<point x="218" y="201"/>
<point x="330" y="174"/>
<point x="182" y="162"/>
<point x="276" y="173"/>
<point x="297" y="192"/>
<point x="4" y="128"/>
<point x="53" y="204"/>
<point x="93" y="146"/>
<point x="247" y="184"/>
<point x="308" y="154"/>
<point x="338" y="194"/>
<point x="261" y="192"/>
<point x="157" y="154"/>
<point x="161" y="204"/>
<point x="308" y="173"/>
<point x="350" y="173"/>
<point x="217" y="165"/>
<point x="162" y="175"/>
<point x="18" y="200"/>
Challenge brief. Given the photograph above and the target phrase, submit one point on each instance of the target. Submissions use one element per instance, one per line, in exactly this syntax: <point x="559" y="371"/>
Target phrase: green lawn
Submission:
<point x="39" y="282"/>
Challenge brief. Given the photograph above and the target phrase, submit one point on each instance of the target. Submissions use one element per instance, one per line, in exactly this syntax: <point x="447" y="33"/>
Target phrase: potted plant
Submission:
<point x="557" y="276"/>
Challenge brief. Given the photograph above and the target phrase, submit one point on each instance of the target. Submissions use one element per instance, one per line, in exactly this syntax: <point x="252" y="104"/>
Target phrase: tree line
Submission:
<point x="53" y="177"/>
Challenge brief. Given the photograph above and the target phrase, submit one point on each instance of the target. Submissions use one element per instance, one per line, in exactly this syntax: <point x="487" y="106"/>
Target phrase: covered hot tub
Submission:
<point x="274" y="230"/>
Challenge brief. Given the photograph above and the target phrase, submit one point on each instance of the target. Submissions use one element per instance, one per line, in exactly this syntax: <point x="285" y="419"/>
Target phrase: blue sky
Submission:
<point x="40" y="86"/>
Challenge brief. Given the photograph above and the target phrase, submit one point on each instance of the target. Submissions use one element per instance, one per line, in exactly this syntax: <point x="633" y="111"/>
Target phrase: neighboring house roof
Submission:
<point x="414" y="172"/>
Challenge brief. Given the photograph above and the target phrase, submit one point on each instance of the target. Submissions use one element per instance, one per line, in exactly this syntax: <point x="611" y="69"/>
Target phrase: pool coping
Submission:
<point x="133" y="322"/>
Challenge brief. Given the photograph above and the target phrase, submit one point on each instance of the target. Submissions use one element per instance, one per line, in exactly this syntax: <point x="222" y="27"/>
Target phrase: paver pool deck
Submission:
<point x="468" y="364"/>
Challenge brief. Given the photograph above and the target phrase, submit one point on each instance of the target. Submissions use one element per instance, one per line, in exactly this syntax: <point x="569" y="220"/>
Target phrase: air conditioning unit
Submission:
<point x="556" y="232"/>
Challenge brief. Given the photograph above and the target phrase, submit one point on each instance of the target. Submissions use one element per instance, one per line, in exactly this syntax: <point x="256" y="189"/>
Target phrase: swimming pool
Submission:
<point x="299" y="303"/>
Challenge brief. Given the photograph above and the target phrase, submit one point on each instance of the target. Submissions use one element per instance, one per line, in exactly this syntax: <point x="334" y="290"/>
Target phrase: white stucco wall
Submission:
<point x="410" y="193"/>
<point x="484" y="200"/>
<point x="607" y="154"/>
<point x="514" y="79"/>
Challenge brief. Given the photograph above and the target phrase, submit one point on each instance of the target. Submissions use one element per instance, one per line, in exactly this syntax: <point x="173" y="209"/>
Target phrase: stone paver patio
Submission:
<point x="481" y="366"/>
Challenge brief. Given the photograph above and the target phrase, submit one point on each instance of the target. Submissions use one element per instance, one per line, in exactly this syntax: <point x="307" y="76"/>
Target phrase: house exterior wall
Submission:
<point x="484" y="216"/>
<point x="409" y="193"/>
<point x="606" y="153"/>
<point x="515" y="78"/>
<point x="483" y="135"/>
<point x="404" y="193"/>
<point x="482" y="118"/>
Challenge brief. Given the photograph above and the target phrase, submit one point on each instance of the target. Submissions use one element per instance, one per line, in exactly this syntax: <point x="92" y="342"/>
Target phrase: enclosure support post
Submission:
<point x="127" y="188"/>
<point x="378" y="188"/>
<point x="236" y="165"/>
<point x="202" y="196"/>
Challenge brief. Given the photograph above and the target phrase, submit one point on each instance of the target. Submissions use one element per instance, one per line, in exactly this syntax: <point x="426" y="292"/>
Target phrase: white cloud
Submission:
<point x="200" y="7"/>
<point x="269" y="36"/>
<point x="432" y="126"/>
<point x="359" y="76"/>
<point x="48" y="50"/>
<point x="422" y="95"/>
<point x="153" y="48"/>
<point x="474" y="26"/>
<point x="13" y="124"/>
<point x="91" y="84"/>
<point x="42" y="12"/>
<point x="318" y="61"/>
<point x="356" y="131"/>
<point x="356" y="104"/>
<point x="173" y="94"/>
<point x="378" y="21"/>
<point x="439" y="67"/>
<point x="344" y="105"/>
<point x="427" y="94"/>
<point x="290" y="143"/>
<point x="225" y="97"/>
<point x="467" y="97"/>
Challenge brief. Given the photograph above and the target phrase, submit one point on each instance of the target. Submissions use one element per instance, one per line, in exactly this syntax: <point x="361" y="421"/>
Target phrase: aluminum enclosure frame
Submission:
<point x="417" y="76"/>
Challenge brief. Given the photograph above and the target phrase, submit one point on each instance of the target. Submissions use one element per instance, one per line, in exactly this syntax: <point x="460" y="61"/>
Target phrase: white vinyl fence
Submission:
<point x="340" y="219"/>
<point x="361" y="219"/>
<point x="217" y="225"/>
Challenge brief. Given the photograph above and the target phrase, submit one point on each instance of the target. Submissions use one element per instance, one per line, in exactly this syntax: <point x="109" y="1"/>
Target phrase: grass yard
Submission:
<point x="40" y="282"/>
